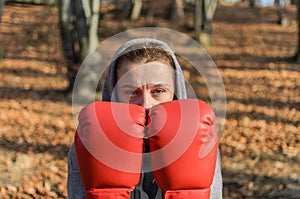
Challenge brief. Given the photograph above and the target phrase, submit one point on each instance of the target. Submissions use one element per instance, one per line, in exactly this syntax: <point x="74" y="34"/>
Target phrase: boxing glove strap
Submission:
<point x="109" y="193"/>
<point x="188" y="194"/>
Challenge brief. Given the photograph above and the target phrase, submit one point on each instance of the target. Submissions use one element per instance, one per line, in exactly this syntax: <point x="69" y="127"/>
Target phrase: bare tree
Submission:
<point x="2" y="2"/>
<point x="298" y="17"/>
<point x="78" y="21"/>
<point x="136" y="10"/>
<point x="199" y="18"/>
<point x="283" y="19"/>
<point x="177" y="10"/>
<point x="204" y="12"/>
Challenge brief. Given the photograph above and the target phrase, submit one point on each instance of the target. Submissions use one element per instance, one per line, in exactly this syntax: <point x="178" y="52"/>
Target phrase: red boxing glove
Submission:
<point x="183" y="148"/>
<point x="109" y="147"/>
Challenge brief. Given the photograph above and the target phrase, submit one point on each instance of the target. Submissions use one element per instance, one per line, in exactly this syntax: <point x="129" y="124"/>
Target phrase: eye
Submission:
<point x="158" y="91"/>
<point x="132" y="92"/>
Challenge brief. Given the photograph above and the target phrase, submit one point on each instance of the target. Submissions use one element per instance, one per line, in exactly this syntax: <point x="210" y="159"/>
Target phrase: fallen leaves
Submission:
<point x="260" y="141"/>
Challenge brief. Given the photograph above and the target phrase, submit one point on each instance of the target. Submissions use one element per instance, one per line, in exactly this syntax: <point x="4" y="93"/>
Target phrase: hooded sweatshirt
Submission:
<point x="147" y="187"/>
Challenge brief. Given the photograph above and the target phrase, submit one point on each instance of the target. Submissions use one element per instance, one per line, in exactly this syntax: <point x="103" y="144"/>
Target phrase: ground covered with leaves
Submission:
<point x="260" y="141"/>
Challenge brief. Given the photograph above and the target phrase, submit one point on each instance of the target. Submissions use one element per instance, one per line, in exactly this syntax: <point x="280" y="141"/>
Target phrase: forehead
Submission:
<point x="138" y="74"/>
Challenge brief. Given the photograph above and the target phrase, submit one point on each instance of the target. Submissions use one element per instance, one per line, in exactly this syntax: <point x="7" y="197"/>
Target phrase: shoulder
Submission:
<point x="72" y="161"/>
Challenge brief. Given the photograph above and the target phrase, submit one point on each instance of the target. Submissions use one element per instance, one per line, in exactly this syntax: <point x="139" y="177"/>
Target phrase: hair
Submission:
<point x="144" y="53"/>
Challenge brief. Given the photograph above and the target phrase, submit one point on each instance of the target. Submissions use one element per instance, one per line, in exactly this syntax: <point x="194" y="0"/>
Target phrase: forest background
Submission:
<point x="260" y="141"/>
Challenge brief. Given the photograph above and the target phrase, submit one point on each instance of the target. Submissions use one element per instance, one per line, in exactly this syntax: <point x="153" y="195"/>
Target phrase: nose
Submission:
<point x="146" y="100"/>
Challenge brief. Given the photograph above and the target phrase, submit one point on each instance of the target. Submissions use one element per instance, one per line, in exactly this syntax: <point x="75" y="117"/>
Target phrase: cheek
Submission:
<point x="169" y="96"/>
<point x="122" y="97"/>
<point x="166" y="97"/>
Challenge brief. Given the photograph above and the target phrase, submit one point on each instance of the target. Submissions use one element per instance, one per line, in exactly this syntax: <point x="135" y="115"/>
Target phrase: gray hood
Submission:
<point x="110" y="80"/>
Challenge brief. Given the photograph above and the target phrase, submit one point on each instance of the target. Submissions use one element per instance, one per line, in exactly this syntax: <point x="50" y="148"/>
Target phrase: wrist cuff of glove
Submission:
<point x="188" y="193"/>
<point x="109" y="193"/>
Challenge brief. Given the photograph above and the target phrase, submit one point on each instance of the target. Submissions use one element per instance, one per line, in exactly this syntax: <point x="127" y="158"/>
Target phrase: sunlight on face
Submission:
<point x="145" y="84"/>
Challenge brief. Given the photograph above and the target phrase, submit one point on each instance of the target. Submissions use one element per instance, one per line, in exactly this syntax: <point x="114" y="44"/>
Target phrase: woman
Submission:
<point x="144" y="72"/>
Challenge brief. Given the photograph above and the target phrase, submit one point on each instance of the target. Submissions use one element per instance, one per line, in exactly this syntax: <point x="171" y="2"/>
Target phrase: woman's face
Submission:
<point x="145" y="84"/>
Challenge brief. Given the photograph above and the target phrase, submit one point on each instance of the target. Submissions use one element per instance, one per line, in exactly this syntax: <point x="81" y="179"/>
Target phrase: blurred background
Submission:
<point x="254" y="44"/>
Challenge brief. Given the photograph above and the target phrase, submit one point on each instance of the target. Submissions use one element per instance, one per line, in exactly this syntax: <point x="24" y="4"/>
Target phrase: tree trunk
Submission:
<point x="94" y="25"/>
<point x="204" y="12"/>
<point x="252" y="3"/>
<point x="68" y="40"/>
<point x="2" y="2"/>
<point x="86" y="81"/>
<point x="82" y="29"/>
<point x="79" y="30"/>
<point x="177" y="10"/>
<point x="283" y="18"/>
<point x="298" y="16"/>
<point x="198" y="19"/>
<point x="38" y="2"/>
<point x="210" y="9"/>
<point x="136" y="10"/>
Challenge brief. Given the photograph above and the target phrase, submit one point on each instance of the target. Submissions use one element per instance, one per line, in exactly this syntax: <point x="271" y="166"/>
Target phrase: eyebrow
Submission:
<point x="154" y="85"/>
